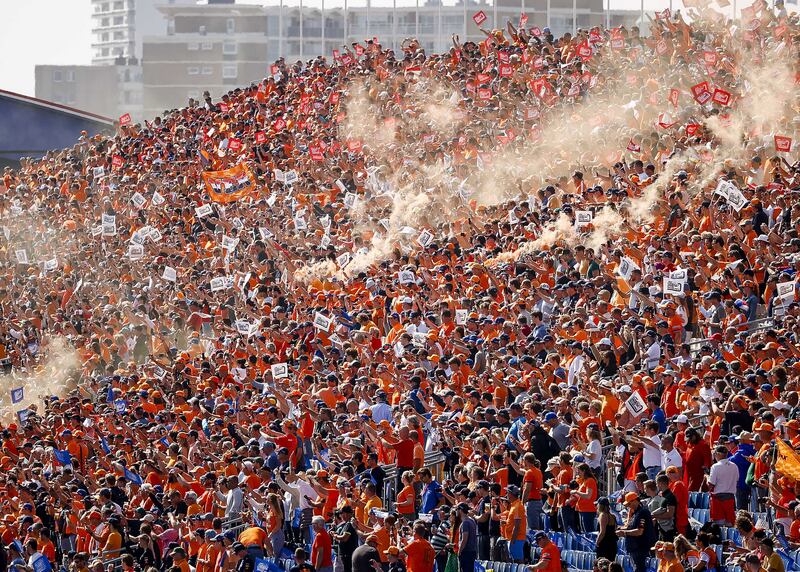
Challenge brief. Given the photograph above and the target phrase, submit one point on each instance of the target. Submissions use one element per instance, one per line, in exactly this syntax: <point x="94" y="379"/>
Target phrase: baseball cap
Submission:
<point x="630" y="497"/>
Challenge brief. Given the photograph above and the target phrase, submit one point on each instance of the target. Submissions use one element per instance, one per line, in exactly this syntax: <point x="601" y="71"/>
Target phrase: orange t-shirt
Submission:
<point x="421" y="556"/>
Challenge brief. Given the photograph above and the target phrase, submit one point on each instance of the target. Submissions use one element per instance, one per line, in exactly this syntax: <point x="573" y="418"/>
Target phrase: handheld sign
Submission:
<point x="170" y="274"/>
<point x="479" y="17"/>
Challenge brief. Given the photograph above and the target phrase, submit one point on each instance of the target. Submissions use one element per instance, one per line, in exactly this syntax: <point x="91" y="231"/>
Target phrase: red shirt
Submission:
<point x="322" y="541"/>
<point x="405" y="453"/>
<point x="552" y="556"/>
<point x="698" y="458"/>
<point x="681" y="493"/>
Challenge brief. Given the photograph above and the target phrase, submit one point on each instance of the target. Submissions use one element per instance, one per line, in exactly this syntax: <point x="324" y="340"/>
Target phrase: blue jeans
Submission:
<point x="466" y="561"/>
<point x="515" y="550"/>
<point x="587" y="520"/>
<point x="652" y="472"/>
<point x="533" y="511"/>
<point x="566" y="517"/>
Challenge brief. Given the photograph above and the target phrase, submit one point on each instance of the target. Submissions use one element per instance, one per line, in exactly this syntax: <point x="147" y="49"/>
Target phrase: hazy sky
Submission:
<point x="41" y="32"/>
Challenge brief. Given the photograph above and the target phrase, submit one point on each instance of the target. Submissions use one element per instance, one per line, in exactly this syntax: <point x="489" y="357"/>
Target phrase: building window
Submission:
<point x="170" y="26"/>
<point x="192" y="46"/>
<point x="69" y="75"/>
<point x="193" y="70"/>
<point x="118" y="20"/>
<point x="229" y="71"/>
<point x="231" y="25"/>
<point x="202" y="30"/>
<point x="229" y="47"/>
<point x="119" y="5"/>
<point x="104" y="52"/>
<point x="207" y="70"/>
<point x="57" y="76"/>
<point x="104" y="37"/>
<point x="119" y="35"/>
<point x="104" y="7"/>
<point x="207" y="45"/>
<point x="104" y="22"/>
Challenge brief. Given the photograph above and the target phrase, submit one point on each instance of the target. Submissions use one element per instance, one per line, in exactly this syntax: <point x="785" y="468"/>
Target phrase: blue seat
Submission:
<point x="627" y="563"/>
<point x="621" y="546"/>
<point x="693" y="500"/>
<point x="557" y="538"/>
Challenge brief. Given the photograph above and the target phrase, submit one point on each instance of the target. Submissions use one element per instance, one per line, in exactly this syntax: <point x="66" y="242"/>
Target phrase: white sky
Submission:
<point x="41" y="32"/>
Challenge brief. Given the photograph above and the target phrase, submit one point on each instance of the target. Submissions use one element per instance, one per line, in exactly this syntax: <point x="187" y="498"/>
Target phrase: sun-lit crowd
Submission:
<point x="525" y="301"/>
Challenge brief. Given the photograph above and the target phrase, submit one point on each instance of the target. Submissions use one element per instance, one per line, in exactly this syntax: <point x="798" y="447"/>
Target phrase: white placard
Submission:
<point x="22" y="256"/>
<point x="736" y="199"/>
<point x="157" y="198"/>
<point x="723" y="189"/>
<point x="583" y="218"/>
<point x="203" y="210"/>
<point x="425" y="238"/>
<point x="626" y="268"/>
<point x="98" y="171"/>
<point x="325" y="221"/>
<point x="325" y="241"/>
<point x="343" y="259"/>
<point x="461" y="316"/>
<point x="108" y="219"/>
<point x="138" y="200"/>
<point x="322" y="322"/>
<point x="97" y="230"/>
<point x="271" y="200"/>
<point x="219" y="283"/>
<point x="679" y="274"/>
<point x="170" y="274"/>
<point x="109" y="230"/>
<point x="290" y="177"/>
<point x="512" y="217"/>
<point x="237" y="223"/>
<point x="243" y="327"/>
<point x="674" y="287"/>
<point x="154" y="235"/>
<point x="785" y="292"/>
<point x="265" y="233"/>
<point x="138" y="238"/>
<point x="51" y="264"/>
<point x="280" y="370"/>
<point x="135" y="251"/>
<point x="279" y="176"/>
<point x="350" y="200"/>
<point x="229" y="243"/>
<point x="341" y="186"/>
<point x="406" y="277"/>
<point x="635" y="404"/>
<point x="384" y="222"/>
<point x="300" y="223"/>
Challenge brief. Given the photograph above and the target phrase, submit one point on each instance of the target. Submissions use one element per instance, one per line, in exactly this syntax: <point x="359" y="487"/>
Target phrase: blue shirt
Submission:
<point x="738" y="459"/>
<point x="431" y="495"/>
<point x="661" y="418"/>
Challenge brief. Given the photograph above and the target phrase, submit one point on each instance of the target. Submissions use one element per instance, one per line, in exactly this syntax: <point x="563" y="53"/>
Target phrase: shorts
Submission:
<point x="723" y="510"/>
<point x="515" y="549"/>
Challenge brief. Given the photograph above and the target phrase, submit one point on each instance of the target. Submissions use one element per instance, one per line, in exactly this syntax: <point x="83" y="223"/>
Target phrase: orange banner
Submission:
<point x="229" y="185"/>
<point x="788" y="461"/>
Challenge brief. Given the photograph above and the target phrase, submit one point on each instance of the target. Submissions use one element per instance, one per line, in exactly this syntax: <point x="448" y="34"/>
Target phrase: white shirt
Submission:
<point x="671" y="459"/>
<point x="724" y="476"/>
<point x="595" y="449"/>
<point x="653" y="355"/>
<point x="651" y="456"/>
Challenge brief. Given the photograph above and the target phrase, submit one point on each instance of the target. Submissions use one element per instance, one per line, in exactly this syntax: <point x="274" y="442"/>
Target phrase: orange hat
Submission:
<point x="630" y="497"/>
<point x="794" y="425"/>
<point x="766" y="427"/>
<point x="392" y="551"/>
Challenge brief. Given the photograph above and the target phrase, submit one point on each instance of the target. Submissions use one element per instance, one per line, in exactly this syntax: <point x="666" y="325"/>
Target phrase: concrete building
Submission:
<point x="110" y="90"/>
<point x="214" y="47"/>
<point x="118" y="27"/>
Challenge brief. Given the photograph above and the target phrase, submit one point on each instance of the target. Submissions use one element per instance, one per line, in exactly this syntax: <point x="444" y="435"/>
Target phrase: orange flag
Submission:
<point x="788" y="462"/>
<point x="229" y="185"/>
